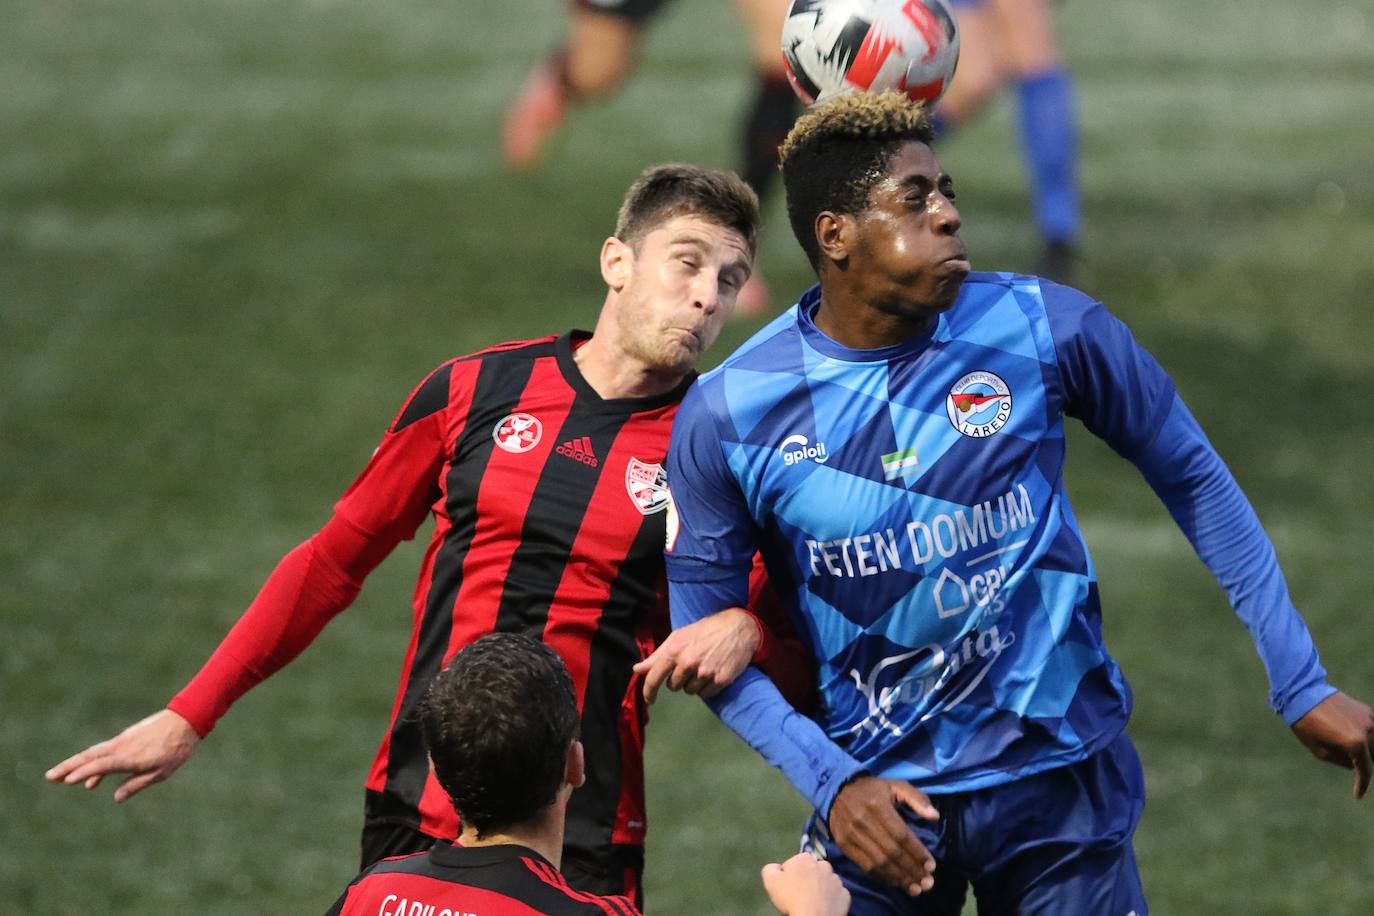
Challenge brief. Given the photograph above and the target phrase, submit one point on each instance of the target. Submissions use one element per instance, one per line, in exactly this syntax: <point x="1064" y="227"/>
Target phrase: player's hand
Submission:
<point x="703" y="657"/>
<point x="805" y="886"/>
<point x="1340" y="730"/>
<point x="869" y="829"/>
<point x="149" y="750"/>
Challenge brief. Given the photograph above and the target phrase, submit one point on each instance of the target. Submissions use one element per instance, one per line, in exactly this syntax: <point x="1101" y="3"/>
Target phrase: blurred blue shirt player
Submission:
<point x="893" y="445"/>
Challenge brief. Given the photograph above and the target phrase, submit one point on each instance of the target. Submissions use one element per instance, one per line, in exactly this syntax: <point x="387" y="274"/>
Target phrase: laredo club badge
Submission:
<point x="979" y="404"/>
<point x="648" y="486"/>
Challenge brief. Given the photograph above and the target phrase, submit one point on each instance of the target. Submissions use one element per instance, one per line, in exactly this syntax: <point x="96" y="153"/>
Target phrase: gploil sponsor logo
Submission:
<point x="797" y="448"/>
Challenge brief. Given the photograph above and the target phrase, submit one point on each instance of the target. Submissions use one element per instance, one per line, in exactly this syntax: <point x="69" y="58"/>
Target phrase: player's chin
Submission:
<point x="678" y="357"/>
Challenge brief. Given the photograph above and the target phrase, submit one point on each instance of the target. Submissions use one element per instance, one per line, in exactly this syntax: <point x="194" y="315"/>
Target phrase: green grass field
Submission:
<point x="234" y="235"/>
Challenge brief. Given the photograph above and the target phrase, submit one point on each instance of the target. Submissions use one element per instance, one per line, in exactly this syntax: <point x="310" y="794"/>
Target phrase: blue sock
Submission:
<point x="940" y="124"/>
<point x="1048" y="122"/>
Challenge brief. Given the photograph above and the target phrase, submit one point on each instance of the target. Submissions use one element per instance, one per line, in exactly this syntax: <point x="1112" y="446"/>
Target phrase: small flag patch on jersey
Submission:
<point x="900" y="464"/>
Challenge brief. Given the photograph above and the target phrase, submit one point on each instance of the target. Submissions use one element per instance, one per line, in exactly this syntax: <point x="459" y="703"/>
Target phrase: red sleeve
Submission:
<point x="310" y="585"/>
<point x="781" y="654"/>
<point x="321" y="577"/>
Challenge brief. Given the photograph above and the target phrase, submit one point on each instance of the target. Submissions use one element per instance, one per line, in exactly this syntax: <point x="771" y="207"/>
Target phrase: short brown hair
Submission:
<point x="839" y="150"/>
<point x="662" y="192"/>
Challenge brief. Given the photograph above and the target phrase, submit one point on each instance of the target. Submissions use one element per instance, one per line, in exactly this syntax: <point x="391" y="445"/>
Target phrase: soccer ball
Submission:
<point x="832" y="47"/>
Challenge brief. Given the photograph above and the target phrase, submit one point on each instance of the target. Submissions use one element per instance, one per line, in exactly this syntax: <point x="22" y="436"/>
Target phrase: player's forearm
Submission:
<point x="311" y="584"/>
<point x="1208" y="505"/>
<point x="754" y="709"/>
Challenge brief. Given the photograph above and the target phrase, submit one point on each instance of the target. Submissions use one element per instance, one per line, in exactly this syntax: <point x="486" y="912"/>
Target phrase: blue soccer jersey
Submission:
<point x="909" y="503"/>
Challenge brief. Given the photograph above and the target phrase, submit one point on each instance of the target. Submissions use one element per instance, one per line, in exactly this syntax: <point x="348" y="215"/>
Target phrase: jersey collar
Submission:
<point x="828" y="346"/>
<point x="451" y="855"/>
<point x="564" y="347"/>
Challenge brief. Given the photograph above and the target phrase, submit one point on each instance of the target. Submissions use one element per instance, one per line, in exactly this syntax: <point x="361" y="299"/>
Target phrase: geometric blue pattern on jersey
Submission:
<point x="910" y="505"/>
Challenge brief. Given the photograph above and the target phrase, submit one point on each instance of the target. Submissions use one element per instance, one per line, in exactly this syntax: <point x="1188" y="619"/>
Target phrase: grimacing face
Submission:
<point x="682" y="286"/>
<point x="907" y="257"/>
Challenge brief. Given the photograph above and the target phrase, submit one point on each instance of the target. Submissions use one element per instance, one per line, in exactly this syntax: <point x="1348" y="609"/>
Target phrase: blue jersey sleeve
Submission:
<point x="711" y="543"/>
<point x="1110" y="383"/>
<point x="758" y="713"/>
<point x="1120" y="393"/>
<point x="1190" y="478"/>
<point x="711" y="536"/>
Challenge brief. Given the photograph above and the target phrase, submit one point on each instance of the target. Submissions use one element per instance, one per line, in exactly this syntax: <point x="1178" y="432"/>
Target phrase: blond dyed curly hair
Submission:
<point x="839" y="150"/>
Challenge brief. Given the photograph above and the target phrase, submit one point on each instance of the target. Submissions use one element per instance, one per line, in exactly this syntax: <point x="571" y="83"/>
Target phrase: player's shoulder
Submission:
<point x="537" y="883"/>
<point x="553" y="895"/>
<point x="776" y="347"/>
<point x="534" y="348"/>
<point x="1035" y="297"/>
<point x="433" y="393"/>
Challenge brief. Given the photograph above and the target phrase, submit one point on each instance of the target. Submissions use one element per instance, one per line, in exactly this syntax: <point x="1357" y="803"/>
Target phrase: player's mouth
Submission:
<point x="958" y="261"/>
<point x="688" y="336"/>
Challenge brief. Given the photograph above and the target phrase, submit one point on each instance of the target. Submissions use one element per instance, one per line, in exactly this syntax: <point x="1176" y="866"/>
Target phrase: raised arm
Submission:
<point x="1122" y="395"/>
<point x="311" y="585"/>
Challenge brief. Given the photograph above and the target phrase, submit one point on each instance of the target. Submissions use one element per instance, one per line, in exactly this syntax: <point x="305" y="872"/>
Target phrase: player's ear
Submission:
<point x="617" y="263"/>
<point x="834" y="235"/>
<point x="575" y="772"/>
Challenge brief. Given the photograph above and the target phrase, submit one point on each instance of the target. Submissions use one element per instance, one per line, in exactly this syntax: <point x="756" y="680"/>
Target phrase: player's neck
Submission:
<point x="860" y="325"/>
<point x="613" y="374"/>
<point x="543" y="834"/>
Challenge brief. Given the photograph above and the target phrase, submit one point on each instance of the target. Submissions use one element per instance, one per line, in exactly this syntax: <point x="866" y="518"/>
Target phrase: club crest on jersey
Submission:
<point x="979" y="404"/>
<point x="518" y="432"/>
<point x="647" y="485"/>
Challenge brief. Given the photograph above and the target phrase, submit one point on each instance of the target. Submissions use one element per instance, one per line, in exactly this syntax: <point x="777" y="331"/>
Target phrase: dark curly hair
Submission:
<point x="498" y="722"/>
<point x="839" y="150"/>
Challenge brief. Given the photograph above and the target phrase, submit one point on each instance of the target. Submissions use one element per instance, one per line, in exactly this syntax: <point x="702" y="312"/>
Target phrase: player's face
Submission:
<point x="907" y="258"/>
<point x="682" y="286"/>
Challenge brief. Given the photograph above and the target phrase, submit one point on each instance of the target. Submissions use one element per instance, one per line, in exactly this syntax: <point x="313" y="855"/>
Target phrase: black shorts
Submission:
<point x="637" y="12"/>
<point x="612" y="870"/>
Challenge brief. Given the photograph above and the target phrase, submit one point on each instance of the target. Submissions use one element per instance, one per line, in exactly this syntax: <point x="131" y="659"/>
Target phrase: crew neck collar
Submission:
<point x="563" y="349"/>
<point x="828" y="346"/>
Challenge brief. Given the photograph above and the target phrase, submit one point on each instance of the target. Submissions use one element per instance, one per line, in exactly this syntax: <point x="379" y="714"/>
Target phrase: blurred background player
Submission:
<point x="1013" y="41"/>
<point x="600" y="50"/>
<point x="500" y="725"/>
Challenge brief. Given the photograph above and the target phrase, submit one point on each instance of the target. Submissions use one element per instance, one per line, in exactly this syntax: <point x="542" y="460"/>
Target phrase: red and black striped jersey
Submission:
<point x="548" y="505"/>
<point x="452" y="880"/>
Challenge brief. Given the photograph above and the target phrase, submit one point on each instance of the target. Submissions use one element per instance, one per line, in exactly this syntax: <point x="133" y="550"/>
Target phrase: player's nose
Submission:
<point x="944" y="214"/>
<point x="706" y="290"/>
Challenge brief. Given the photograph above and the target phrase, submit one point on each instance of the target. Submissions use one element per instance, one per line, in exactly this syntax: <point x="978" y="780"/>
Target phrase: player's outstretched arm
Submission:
<point x="1340" y="730"/>
<point x="804" y="886"/>
<point x="869" y="829"/>
<point x="149" y="751"/>
<point x="704" y="657"/>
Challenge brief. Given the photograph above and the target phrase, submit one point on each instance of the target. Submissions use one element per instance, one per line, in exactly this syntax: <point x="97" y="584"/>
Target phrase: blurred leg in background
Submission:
<point x="599" y="53"/>
<point x="1012" y="41"/>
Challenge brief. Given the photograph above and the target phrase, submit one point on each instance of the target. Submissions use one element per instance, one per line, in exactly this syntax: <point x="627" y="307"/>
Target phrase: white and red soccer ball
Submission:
<point x="832" y="47"/>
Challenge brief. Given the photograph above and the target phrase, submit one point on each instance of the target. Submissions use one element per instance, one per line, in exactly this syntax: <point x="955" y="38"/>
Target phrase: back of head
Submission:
<point x="662" y="192"/>
<point x="838" y="150"/>
<point x="498" y="722"/>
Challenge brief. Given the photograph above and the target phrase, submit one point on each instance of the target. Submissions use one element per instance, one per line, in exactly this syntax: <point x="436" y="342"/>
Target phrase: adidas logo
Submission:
<point x="578" y="450"/>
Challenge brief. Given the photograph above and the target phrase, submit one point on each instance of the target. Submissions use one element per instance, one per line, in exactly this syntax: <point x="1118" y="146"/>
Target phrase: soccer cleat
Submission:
<point x="533" y="117"/>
